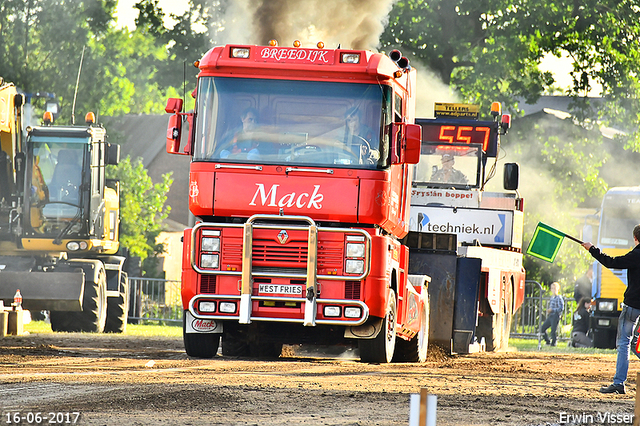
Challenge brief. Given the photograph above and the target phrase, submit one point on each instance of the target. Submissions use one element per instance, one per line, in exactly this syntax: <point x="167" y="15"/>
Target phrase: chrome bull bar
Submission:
<point x="311" y="276"/>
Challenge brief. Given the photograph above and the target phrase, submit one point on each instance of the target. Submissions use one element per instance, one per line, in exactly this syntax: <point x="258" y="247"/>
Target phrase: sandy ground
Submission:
<point x="125" y="380"/>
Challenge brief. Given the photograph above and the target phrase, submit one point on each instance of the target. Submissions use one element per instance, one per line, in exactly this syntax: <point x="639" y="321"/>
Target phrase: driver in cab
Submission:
<point x="447" y="173"/>
<point x="358" y="137"/>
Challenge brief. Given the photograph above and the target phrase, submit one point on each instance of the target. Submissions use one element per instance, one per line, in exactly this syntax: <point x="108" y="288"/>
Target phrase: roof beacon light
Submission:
<point x="240" y="52"/>
<point x="196" y="64"/>
<point x="320" y="45"/>
<point x="273" y="43"/>
<point x="496" y="109"/>
<point x="90" y="118"/>
<point x="47" y="117"/>
<point x="296" y="43"/>
<point x="505" y="123"/>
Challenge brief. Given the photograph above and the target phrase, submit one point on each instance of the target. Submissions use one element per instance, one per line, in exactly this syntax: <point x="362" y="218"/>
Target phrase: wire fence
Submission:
<point x="154" y="301"/>
<point x="528" y="320"/>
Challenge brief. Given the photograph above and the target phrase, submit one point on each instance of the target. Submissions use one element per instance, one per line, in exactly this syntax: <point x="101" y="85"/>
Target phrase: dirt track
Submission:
<point x="125" y="380"/>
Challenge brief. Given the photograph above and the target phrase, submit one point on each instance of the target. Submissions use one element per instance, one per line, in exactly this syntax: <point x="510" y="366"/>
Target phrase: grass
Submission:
<point x="140" y="330"/>
<point x="168" y="331"/>
<point x="531" y="345"/>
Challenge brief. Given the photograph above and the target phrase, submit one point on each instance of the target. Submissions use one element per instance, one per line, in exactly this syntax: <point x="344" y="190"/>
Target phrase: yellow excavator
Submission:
<point x="59" y="219"/>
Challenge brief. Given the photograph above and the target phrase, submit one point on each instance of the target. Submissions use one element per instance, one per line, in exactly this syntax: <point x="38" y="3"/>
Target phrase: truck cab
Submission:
<point x="299" y="184"/>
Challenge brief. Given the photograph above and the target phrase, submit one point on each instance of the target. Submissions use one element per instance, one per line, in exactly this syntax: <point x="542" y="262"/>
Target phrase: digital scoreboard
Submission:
<point x="441" y="131"/>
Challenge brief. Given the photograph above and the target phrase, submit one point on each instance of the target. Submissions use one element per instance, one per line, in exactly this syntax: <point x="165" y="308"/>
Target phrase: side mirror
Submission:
<point x="174" y="105"/>
<point x="406" y="140"/>
<point x="511" y="176"/>
<point x="174" y="133"/>
<point x="174" y="130"/>
<point x="112" y="154"/>
<point x="413" y="142"/>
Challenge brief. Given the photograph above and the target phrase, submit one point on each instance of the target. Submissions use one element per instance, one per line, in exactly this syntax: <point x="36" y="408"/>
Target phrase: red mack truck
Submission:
<point x="300" y="184"/>
<point x="467" y="239"/>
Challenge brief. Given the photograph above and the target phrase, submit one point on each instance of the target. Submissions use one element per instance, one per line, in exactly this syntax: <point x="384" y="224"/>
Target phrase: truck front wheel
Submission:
<point x="381" y="348"/>
<point x="199" y="345"/>
<point x="415" y="350"/>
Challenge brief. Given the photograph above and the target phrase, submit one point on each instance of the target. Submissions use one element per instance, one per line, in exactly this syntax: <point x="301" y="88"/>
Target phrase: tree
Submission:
<point x="46" y="42"/>
<point x="490" y="50"/>
<point x="142" y="210"/>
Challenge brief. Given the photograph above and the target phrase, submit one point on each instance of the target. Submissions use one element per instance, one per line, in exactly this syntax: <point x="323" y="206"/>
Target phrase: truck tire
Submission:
<point x="492" y="329"/>
<point x="415" y="350"/>
<point x="266" y="350"/>
<point x="199" y="345"/>
<point x="235" y="340"/>
<point x="93" y="316"/>
<point x="381" y="348"/>
<point x="118" y="308"/>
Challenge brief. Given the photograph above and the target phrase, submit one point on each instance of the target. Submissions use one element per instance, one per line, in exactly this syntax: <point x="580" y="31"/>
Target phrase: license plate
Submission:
<point x="294" y="290"/>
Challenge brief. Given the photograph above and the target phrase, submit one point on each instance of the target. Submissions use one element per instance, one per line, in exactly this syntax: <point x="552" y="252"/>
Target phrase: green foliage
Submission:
<point x="142" y="208"/>
<point x="122" y="71"/>
<point x="490" y="50"/>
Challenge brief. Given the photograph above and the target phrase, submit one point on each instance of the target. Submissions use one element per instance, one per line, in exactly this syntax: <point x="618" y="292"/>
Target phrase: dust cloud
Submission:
<point x="352" y="24"/>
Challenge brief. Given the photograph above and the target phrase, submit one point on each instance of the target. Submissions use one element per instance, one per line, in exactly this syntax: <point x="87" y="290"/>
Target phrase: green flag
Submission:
<point x="546" y="242"/>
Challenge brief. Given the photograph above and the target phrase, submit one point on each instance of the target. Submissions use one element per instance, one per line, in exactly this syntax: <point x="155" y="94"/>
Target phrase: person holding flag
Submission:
<point x="630" y="307"/>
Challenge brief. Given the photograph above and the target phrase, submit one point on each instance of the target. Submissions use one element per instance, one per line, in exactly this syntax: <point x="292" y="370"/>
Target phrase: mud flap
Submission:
<point x="368" y="330"/>
<point x="201" y="326"/>
<point x="53" y="291"/>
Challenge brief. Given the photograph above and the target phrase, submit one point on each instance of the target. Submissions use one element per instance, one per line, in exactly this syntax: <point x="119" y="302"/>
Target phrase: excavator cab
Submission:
<point x="69" y="202"/>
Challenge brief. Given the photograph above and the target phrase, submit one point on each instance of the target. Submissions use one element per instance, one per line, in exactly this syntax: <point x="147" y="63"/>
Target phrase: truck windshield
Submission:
<point x="449" y="166"/>
<point x="56" y="176"/>
<point x="620" y="213"/>
<point x="292" y="122"/>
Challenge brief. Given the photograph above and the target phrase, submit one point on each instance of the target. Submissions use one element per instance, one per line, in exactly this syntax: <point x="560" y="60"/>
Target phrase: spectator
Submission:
<point x="583" y="285"/>
<point x="581" y="318"/>
<point x="630" y="307"/>
<point x="554" y="311"/>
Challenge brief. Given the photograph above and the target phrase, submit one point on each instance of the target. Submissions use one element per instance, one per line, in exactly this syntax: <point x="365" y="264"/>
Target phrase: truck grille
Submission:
<point x="207" y="284"/>
<point x="352" y="290"/>
<point x="271" y="254"/>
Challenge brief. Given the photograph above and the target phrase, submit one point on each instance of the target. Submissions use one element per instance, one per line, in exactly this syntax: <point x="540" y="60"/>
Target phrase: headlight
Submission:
<point x="73" y="246"/>
<point x="350" y="58"/>
<point x="332" y="311"/>
<point x="207" y="306"/>
<point x="240" y="52"/>
<point x="228" y="307"/>
<point x="604" y="322"/>
<point x="352" y="312"/>
<point x="354" y="266"/>
<point x="210" y="244"/>
<point x="209" y="260"/>
<point x="606" y="306"/>
<point x="355" y="250"/>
